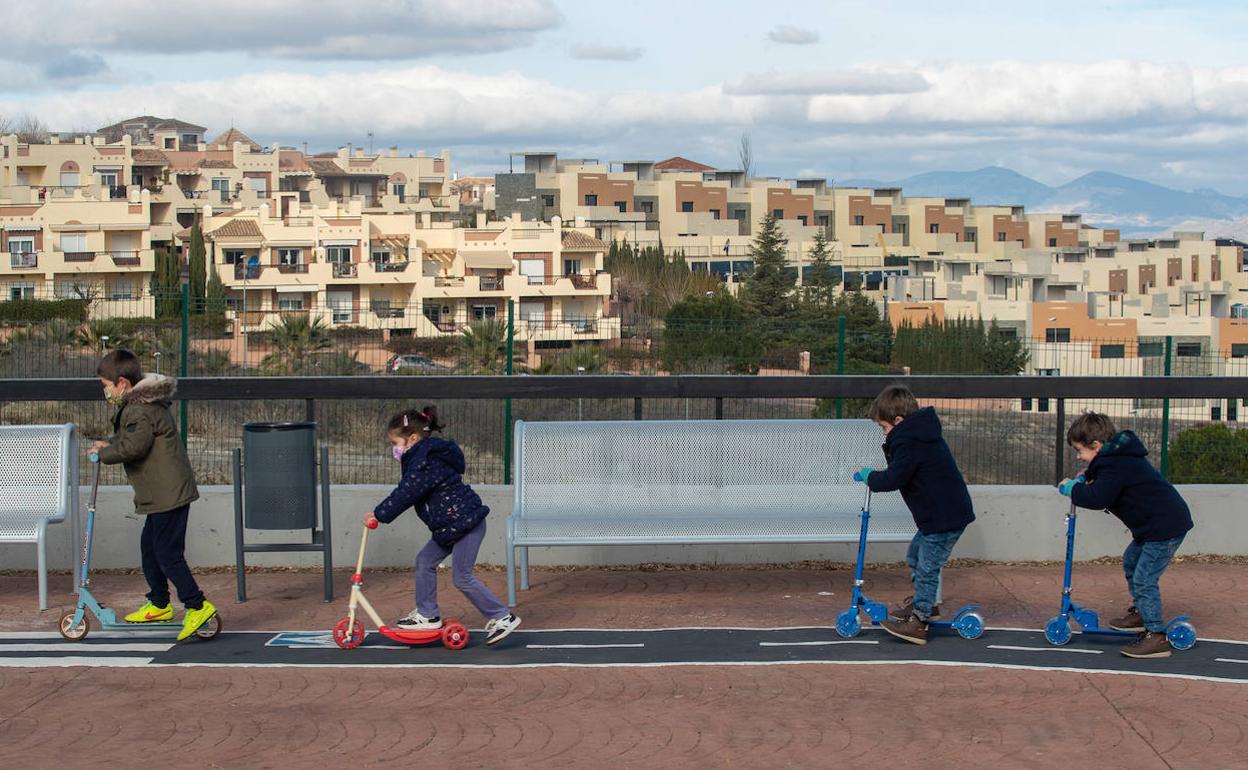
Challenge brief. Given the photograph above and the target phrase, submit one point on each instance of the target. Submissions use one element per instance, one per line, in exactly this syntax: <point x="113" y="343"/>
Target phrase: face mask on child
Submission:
<point x="397" y="451"/>
<point x="113" y="399"/>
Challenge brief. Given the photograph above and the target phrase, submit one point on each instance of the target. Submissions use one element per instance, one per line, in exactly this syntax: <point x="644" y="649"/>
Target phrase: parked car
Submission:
<point x="414" y="364"/>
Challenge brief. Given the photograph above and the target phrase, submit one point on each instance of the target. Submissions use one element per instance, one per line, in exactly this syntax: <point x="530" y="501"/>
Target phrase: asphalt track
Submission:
<point x="1214" y="660"/>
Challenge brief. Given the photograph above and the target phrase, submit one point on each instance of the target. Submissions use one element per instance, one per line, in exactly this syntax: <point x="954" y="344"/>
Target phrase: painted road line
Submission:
<point x="86" y="647"/>
<point x="1230" y="660"/>
<point x="1043" y="649"/>
<point x="578" y="647"/>
<point x="816" y="644"/>
<point x="72" y="660"/>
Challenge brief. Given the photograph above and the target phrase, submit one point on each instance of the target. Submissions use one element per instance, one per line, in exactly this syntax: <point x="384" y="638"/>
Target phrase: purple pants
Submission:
<point x="463" y="557"/>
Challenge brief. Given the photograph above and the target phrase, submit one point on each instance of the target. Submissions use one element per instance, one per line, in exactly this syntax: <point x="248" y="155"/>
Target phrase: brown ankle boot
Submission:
<point x="1129" y="622"/>
<point x="1150" y="644"/>
<point x="911" y="629"/>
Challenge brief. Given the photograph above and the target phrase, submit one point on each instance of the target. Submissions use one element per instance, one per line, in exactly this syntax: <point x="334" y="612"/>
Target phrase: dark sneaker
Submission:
<point x="911" y="629"/>
<point x="906" y="609"/>
<point x="1150" y="644"/>
<point x="414" y="621"/>
<point x="497" y="629"/>
<point x="1129" y="622"/>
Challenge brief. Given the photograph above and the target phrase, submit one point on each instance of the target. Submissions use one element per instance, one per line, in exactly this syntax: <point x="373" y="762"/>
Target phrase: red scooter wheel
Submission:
<point x="348" y="635"/>
<point x="454" y="635"/>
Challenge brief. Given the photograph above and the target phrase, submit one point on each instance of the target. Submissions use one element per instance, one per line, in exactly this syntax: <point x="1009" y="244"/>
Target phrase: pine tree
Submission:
<point x="767" y="291"/>
<point x="199" y="273"/>
<point x="820" y="284"/>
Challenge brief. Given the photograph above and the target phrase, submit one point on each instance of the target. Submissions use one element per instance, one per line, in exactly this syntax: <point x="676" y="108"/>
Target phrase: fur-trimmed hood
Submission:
<point x="152" y="389"/>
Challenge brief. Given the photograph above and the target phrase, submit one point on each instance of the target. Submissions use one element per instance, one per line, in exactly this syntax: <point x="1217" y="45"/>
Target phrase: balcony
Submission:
<point x="79" y="256"/>
<point x="125" y="258"/>
<point x="491" y="283"/>
<point x="287" y="269"/>
<point x="389" y="267"/>
<point x="23" y="260"/>
<point x="448" y="281"/>
<point x="245" y="272"/>
<point x="344" y="269"/>
<point x="386" y="310"/>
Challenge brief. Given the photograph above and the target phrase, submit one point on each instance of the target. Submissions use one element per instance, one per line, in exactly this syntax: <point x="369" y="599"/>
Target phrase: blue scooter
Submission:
<point x="967" y="622"/>
<point x="75" y="625"/>
<point x="1179" y="631"/>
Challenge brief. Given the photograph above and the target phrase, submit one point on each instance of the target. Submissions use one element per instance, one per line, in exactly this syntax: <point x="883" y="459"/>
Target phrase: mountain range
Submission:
<point x="1104" y="198"/>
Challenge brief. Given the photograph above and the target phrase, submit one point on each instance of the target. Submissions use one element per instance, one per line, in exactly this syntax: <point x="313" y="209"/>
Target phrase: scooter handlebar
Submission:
<point x="371" y="523"/>
<point x="94" y="457"/>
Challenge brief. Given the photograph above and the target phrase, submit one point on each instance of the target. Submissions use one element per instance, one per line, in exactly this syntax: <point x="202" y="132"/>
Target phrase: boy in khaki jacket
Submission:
<point x="145" y="441"/>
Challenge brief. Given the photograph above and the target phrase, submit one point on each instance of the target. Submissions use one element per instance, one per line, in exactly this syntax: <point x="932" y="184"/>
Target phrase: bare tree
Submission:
<point x="30" y="129"/>
<point x="745" y="154"/>
<point x="5" y="124"/>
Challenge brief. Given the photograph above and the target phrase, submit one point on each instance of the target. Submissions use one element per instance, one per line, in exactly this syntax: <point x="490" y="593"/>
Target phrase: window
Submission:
<point x="222" y="186"/>
<point x="23" y="245"/>
<point x="777" y="213"/>
<point x="290" y="303"/>
<point x="1048" y="372"/>
<point x="341" y="303"/>
<point x="380" y="256"/>
<point x="1057" y="335"/>
<point x="74" y="289"/>
<point x="190" y="139"/>
<point x="1042" y="405"/>
<point x="534" y="270"/>
<point x="646" y="207"/>
<point x="73" y="242"/>
<point x="69" y="179"/>
<point x="591" y="200"/>
<point x="1001" y="236"/>
<point x="823" y="220"/>
<point x="803" y="219"/>
<point x="1052" y="242"/>
<point x="1025" y="404"/>
<point x="338" y="254"/>
<point x="1215" y="412"/>
<point x="933" y="228"/>
<point x="969" y="236"/>
<point x="1232" y="410"/>
<point x="108" y="179"/>
<point x="233" y="257"/>
<point x="686" y="206"/>
<point x="1152" y="349"/>
<point x="1113" y="351"/>
<point x="400" y="191"/>
<point x="120" y="290"/>
<point x="1007" y="332"/>
<point x="1239" y="350"/>
<point x="548" y="200"/>
<point x="622" y="206"/>
<point x="714" y="213"/>
<point x="484" y="312"/>
<point x="136" y="178"/>
<point x="858" y="220"/>
<point x="289" y="257"/>
<point x="1187" y="350"/>
<point x="571" y="266"/>
<point x="21" y="291"/>
<point x="259" y="184"/>
<point x="234" y="303"/>
<point x="171" y="143"/>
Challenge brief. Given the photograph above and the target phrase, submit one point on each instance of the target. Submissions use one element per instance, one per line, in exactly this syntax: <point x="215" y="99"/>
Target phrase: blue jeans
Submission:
<point x="1143" y="564"/>
<point x="463" y="557"/>
<point x="927" y="556"/>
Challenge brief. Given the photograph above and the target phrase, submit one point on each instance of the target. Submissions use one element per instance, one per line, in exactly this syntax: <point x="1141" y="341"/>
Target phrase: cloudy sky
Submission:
<point x="885" y="89"/>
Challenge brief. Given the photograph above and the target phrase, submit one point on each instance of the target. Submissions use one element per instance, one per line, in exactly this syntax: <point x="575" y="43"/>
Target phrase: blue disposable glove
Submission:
<point x="1069" y="484"/>
<point x="862" y="473"/>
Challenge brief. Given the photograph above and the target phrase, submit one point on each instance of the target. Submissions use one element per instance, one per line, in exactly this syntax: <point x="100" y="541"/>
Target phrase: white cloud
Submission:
<point x="606" y="52"/>
<point x="847" y="82"/>
<point x="787" y="34"/>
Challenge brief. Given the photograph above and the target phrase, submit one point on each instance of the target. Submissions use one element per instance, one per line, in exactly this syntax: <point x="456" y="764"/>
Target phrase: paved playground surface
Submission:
<point x="778" y="689"/>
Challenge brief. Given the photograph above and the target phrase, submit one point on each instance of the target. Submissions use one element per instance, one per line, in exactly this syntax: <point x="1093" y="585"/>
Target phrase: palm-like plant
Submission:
<point x="294" y="337"/>
<point x="484" y="348"/>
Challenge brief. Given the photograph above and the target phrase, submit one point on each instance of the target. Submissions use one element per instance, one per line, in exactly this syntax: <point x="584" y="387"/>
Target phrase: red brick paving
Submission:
<point x="711" y="716"/>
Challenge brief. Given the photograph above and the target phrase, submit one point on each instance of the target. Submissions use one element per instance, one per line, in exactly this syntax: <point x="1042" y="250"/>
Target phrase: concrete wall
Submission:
<point x="1016" y="523"/>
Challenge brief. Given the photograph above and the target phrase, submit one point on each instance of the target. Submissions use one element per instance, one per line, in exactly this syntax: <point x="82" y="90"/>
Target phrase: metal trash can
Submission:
<point x="280" y="491"/>
<point x="275" y="487"/>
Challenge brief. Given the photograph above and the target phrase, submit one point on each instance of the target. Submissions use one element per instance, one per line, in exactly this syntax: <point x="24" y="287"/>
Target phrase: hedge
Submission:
<point x="24" y="311"/>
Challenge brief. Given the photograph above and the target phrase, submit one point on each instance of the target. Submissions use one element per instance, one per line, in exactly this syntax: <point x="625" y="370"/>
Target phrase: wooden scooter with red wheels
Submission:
<point x="349" y="632"/>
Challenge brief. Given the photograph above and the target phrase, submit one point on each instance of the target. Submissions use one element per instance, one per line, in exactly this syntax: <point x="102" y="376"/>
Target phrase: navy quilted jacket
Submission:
<point x="922" y="468"/>
<point x="1121" y="480"/>
<point x="432" y="483"/>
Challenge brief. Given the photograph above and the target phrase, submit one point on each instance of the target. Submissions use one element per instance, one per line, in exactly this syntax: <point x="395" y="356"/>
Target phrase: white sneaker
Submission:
<point x="414" y="621"/>
<point x="497" y="629"/>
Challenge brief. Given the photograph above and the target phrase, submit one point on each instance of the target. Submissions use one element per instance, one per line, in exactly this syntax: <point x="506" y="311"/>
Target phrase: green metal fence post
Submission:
<point x="840" y="359"/>
<point x="185" y="354"/>
<point x="511" y="348"/>
<point x="1165" y="416"/>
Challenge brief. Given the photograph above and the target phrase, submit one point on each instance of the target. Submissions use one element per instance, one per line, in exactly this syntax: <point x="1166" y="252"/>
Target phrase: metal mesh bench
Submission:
<point x="38" y="485"/>
<point x="694" y="481"/>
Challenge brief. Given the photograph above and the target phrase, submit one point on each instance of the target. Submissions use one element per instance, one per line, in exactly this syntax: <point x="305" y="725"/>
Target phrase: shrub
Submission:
<point x="1209" y="454"/>
<point x="23" y="311"/>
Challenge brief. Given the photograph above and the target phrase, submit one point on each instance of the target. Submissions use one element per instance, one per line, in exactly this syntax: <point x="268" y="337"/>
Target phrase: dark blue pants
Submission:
<point x="163" y="545"/>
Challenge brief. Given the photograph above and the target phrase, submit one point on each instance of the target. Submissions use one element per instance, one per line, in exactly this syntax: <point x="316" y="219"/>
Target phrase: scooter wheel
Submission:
<point x="848" y="624"/>
<point x="454" y="636"/>
<point x="210" y="628"/>
<point x="970" y="626"/>
<point x="70" y="631"/>
<point x="1182" y="635"/>
<point x="1057" y="631"/>
<point x="348" y="635"/>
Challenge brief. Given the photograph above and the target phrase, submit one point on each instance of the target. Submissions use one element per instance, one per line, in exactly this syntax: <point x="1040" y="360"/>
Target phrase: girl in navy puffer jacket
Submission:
<point x="432" y="483"/>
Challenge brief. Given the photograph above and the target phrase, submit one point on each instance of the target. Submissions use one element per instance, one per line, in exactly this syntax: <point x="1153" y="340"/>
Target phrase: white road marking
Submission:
<point x="817" y="644"/>
<point x="85" y="647"/>
<point x="1230" y="660"/>
<point x="577" y="646"/>
<point x="1043" y="649"/>
<point x="73" y="660"/>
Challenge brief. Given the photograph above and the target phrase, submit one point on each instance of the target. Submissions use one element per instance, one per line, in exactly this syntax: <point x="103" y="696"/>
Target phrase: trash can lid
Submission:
<point x="265" y="427"/>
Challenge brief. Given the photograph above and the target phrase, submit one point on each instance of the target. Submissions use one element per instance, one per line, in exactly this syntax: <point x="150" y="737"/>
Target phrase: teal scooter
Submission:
<point x="75" y="625"/>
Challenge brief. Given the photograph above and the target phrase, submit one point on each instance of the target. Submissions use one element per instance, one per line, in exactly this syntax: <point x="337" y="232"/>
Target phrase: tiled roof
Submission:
<point x="324" y="166"/>
<point x="213" y="163"/>
<point x="574" y="240"/>
<point x="678" y="163"/>
<point x="150" y="158"/>
<point x="152" y="122"/>
<point x="234" y="135"/>
<point x="238" y="229"/>
<point x="292" y="160"/>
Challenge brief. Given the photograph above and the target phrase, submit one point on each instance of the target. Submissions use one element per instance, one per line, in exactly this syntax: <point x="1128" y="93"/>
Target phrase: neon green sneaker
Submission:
<point x="150" y="613"/>
<point x="196" y="618"/>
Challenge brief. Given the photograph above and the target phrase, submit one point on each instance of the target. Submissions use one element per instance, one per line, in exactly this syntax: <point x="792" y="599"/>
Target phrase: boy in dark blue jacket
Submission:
<point x="922" y="468"/>
<point x="432" y="483"/>
<point x="1119" y="479"/>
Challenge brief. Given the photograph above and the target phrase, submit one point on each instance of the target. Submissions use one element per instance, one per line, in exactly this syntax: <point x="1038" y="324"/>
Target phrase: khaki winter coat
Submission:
<point x="145" y="440"/>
